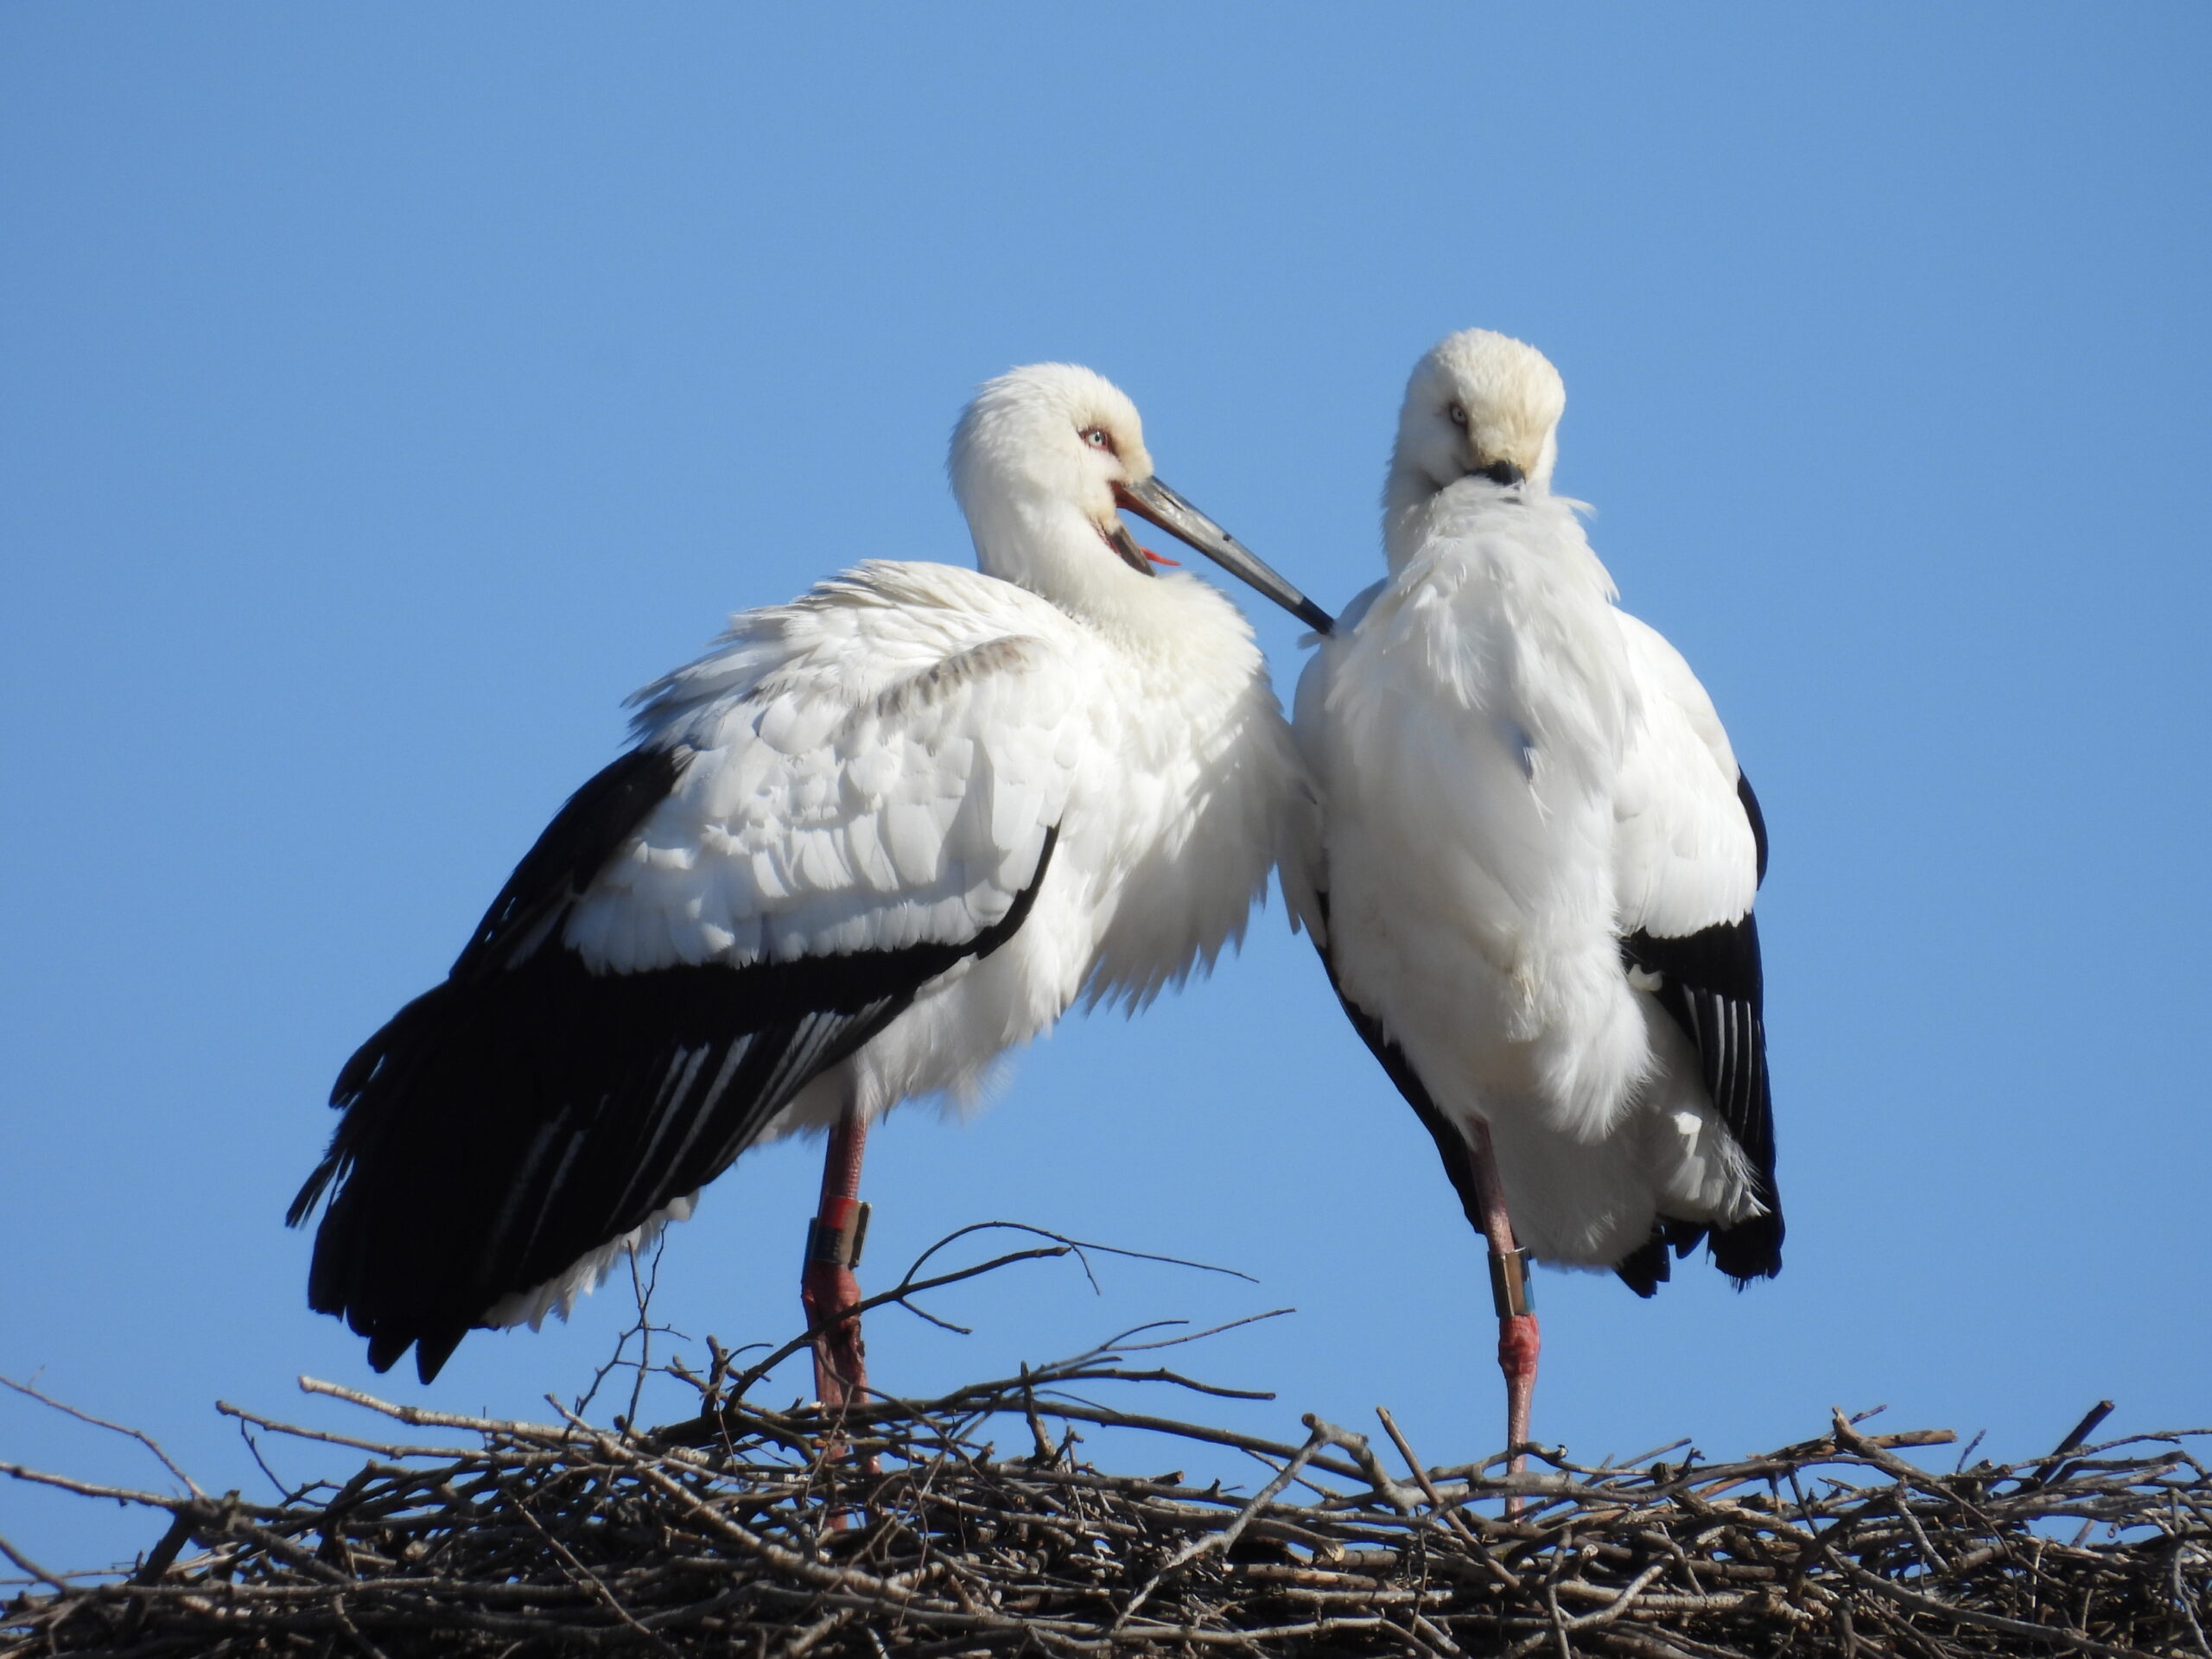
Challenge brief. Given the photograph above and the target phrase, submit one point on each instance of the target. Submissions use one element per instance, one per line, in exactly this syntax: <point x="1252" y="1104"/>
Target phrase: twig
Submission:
<point x="2074" y="1436"/>
<point x="38" y="1573"/>
<point x="139" y="1436"/>
<point x="1315" y="1440"/>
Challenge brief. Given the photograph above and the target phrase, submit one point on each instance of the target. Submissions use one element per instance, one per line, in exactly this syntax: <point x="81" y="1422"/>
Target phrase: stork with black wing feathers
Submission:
<point x="1532" y="876"/>
<point x="874" y="839"/>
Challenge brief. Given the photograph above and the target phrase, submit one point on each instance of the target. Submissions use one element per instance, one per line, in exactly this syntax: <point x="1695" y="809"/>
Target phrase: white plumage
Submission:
<point x="1536" y="858"/>
<point x="874" y="839"/>
<point x="875" y="767"/>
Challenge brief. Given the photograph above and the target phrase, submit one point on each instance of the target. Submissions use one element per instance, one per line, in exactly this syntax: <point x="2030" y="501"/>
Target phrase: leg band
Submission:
<point x="836" y="1240"/>
<point x="1511" y="1289"/>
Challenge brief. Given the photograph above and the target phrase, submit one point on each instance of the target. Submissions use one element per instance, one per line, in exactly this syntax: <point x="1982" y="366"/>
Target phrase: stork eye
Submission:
<point x="1458" y="415"/>
<point x="1098" y="438"/>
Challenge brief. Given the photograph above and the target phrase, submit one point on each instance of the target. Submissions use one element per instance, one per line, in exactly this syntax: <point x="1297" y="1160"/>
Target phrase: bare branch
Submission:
<point x="143" y="1439"/>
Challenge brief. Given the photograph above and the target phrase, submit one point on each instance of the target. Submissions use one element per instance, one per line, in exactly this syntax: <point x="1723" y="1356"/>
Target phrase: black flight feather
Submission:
<point x="527" y="1111"/>
<point x="1711" y="985"/>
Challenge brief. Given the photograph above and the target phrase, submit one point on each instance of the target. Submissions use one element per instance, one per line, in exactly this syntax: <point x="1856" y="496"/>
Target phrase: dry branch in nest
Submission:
<point x="901" y="1530"/>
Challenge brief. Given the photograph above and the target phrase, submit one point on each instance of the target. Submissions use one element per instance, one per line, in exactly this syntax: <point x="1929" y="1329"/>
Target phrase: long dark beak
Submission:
<point x="1154" y="502"/>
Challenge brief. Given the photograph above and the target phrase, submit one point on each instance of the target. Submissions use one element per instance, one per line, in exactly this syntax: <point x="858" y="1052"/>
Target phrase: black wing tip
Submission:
<point x="391" y="1322"/>
<point x="441" y="1106"/>
<point x="311" y="1190"/>
<point x="373" y="1084"/>
<point x="354" y="1076"/>
<point x="1751" y="1249"/>
<point x="1645" y="1269"/>
<point x="433" y="1346"/>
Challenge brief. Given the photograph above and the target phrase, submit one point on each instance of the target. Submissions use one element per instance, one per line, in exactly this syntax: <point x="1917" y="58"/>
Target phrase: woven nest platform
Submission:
<point x="901" y="1530"/>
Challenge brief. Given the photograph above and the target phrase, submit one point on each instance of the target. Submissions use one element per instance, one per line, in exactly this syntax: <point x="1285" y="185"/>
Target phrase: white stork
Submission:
<point x="1536" y="862"/>
<point x="873" y="839"/>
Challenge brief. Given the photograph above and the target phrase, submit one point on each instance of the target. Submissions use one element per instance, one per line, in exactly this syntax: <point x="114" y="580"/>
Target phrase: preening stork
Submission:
<point x="873" y="839"/>
<point x="1535" y="867"/>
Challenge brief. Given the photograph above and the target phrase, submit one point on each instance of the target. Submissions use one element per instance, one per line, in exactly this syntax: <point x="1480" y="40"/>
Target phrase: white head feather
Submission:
<point x="1478" y="404"/>
<point x="1034" y="462"/>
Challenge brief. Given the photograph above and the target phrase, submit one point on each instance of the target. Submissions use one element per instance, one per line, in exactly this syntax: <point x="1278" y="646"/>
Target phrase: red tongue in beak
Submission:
<point x="1156" y="559"/>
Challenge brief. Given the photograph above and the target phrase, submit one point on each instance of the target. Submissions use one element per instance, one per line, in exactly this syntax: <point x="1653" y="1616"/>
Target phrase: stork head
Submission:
<point x="1480" y="404"/>
<point x="1043" y="460"/>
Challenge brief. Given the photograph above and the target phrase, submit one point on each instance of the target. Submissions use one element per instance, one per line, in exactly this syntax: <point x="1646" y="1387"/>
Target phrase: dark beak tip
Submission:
<point x="1153" y="501"/>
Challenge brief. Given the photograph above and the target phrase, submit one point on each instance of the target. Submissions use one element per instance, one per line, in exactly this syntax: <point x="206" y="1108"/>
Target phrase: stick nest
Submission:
<point x="900" y="1529"/>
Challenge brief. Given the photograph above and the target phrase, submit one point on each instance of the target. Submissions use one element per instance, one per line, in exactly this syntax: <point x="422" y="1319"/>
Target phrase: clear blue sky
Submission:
<point x="385" y="393"/>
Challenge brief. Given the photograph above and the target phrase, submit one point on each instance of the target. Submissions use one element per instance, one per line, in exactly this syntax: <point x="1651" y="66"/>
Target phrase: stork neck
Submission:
<point x="1414" y="504"/>
<point x="1410" y="503"/>
<point x="1052" y="549"/>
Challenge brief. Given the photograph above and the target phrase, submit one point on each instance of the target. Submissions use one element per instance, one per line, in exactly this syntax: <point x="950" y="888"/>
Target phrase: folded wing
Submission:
<point x="851" y="796"/>
<point x="1690" y="855"/>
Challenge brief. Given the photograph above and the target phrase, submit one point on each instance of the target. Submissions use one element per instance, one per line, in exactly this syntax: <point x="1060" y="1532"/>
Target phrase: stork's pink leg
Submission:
<point x="828" y="1289"/>
<point x="1518" y="1340"/>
